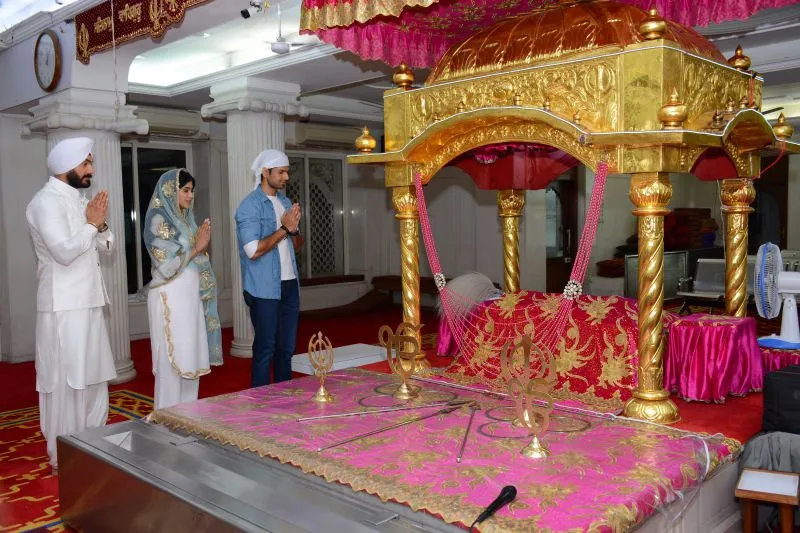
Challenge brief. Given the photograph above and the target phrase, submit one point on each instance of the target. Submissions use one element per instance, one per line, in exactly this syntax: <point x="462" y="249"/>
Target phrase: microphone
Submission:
<point x="506" y="496"/>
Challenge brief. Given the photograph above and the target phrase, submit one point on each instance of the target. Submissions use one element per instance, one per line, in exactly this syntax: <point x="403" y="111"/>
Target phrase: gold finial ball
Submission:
<point x="517" y="99"/>
<point x="673" y="113"/>
<point x="403" y="76"/>
<point x="782" y="129"/>
<point x="546" y="104"/>
<point x="743" y="103"/>
<point x="576" y="118"/>
<point x="366" y="143"/>
<point x="462" y="106"/>
<point x="718" y="121"/>
<point x="652" y="26"/>
<point x="738" y="60"/>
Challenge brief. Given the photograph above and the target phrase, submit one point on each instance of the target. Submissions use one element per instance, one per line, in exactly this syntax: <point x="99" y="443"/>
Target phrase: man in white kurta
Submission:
<point x="73" y="355"/>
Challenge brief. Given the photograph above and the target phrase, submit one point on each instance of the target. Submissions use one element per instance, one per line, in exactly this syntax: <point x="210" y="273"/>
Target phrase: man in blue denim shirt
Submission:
<point x="265" y="222"/>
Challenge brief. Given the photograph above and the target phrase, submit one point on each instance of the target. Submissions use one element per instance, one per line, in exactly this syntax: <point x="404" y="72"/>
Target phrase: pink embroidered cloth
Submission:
<point x="710" y="356"/>
<point x="604" y="474"/>
<point x="419" y="32"/>
<point x="777" y="359"/>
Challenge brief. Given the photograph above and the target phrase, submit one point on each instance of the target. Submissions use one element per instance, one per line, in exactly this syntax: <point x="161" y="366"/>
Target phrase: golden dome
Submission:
<point x="583" y="28"/>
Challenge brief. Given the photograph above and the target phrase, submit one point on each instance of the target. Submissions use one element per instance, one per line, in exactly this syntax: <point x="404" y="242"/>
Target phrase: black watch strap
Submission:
<point x="290" y="233"/>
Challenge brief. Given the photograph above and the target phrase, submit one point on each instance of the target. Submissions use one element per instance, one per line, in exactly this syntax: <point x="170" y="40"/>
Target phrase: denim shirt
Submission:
<point x="256" y="219"/>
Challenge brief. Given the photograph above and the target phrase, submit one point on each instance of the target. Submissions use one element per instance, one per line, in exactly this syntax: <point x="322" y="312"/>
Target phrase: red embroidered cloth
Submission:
<point x="596" y="359"/>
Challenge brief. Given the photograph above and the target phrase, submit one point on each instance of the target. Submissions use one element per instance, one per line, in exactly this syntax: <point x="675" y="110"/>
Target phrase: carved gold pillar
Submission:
<point x="736" y="197"/>
<point x="650" y="193"/>
<point x="510" y="203"/>
<point x="404" y="200"/>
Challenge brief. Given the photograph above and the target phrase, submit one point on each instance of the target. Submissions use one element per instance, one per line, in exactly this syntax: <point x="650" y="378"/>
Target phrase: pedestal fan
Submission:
<point x="771" y="288"/>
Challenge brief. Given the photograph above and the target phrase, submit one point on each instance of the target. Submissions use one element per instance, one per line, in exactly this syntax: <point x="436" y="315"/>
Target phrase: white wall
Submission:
<point x="793" y="220"/>
<point x="22" y="173"/>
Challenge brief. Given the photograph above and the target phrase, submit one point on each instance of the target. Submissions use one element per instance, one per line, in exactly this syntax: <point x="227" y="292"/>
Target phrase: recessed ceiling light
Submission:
<point x="204" y="34"/>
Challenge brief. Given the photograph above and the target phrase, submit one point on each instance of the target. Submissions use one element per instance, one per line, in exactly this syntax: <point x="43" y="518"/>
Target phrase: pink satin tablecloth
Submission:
<point x="710" y="357"/>
<point x="604" y="474"/>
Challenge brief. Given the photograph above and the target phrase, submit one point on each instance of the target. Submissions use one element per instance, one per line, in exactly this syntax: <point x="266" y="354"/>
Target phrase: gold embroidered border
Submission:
<point x="171" y="347"/>
<point x="344" y="13"/>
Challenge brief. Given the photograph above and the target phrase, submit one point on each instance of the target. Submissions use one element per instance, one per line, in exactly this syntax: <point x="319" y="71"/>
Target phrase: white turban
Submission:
<point x="269" y="158"/>
<point x="68" y="154"/>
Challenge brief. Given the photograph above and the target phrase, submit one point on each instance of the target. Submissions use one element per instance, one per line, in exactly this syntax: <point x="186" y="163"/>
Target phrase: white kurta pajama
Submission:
<point x="73" y="356"/>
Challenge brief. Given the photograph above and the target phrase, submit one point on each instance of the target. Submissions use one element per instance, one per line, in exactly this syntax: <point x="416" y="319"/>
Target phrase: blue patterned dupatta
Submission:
<point x="169" y="234"/>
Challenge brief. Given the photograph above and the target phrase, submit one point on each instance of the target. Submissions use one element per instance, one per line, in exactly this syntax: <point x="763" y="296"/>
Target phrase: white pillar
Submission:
<point x="102" y="116"/>
<point x="255" y="109"/>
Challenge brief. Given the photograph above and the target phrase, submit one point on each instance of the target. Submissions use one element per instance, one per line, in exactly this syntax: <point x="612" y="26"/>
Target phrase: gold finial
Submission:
<point x="743" y="103"/>
<point x="731" y="107"/>
<point x="738" y="60"/>
<point x="782" y="129"/>
<point x="673" y="113"/>
<point x="403" y="77"/>
<point x="462" y="106"/>
<point x="718" y="122"/>
<point x="546" y="104"/>
<point x="577" y="117"/>
<point x="366" y="143"/>
<point x="518" y="99"/>
<point x="652" y="26"/>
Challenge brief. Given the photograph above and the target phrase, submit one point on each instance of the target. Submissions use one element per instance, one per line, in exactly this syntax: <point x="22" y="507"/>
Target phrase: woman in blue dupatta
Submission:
<point x="185" y="334"/>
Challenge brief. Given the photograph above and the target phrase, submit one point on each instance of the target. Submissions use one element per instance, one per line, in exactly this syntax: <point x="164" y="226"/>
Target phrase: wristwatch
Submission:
<point x="290" y="233"/>
<point x="102" y="228"/>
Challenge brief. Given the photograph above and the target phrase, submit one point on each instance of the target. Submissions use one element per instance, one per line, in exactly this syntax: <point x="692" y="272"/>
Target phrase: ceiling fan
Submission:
<point x="280" y="45"/>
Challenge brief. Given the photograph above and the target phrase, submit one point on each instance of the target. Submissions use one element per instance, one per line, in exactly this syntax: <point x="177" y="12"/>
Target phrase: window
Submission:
<point x="317" y="183"/>
<point x="141" y="169"/>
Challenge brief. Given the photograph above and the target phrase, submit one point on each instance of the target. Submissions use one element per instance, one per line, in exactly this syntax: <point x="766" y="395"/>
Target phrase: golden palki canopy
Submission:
<point x="600" y="81"/>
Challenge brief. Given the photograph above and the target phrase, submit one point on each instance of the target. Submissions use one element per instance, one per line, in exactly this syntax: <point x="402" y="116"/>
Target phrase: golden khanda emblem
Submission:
<point x="320" y="353"/>
<point x="83" y="41"/>
<point x="529" y="381"/>
<point x="401" y="346"/>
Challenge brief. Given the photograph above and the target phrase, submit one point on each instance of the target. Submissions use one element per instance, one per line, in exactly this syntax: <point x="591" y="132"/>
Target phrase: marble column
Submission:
<point x="103" y="116"/>
<point x="255" y="109"/>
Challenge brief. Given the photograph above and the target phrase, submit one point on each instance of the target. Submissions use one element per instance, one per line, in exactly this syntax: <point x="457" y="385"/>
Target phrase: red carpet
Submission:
<point x="28" y="493"/>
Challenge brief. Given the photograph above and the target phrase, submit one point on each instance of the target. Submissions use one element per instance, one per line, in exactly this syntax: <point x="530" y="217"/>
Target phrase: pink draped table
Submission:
<point x="710" y="357"/>
<point x="605" y="473"/>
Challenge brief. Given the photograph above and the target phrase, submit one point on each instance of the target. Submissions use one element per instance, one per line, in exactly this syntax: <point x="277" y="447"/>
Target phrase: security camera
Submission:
<point x="254" y="8"/>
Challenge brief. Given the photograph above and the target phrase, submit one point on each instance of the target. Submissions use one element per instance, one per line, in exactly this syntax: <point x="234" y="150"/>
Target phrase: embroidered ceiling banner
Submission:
<point x="419" y="32"/>
<point x="98" y="28"/>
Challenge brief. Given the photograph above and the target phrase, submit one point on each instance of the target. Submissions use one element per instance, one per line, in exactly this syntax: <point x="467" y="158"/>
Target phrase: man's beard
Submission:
<point x="76" y="181"/>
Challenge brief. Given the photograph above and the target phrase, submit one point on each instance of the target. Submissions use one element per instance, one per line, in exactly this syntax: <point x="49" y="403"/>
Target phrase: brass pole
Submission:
<point x="404" y="201"/>
<point x="650" y="193"/>
<point x="510" y="203"/>
<point x="736" y="196"/>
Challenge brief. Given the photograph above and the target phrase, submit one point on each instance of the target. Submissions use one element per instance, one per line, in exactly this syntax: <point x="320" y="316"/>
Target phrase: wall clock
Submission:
<point x="47" y="60"/>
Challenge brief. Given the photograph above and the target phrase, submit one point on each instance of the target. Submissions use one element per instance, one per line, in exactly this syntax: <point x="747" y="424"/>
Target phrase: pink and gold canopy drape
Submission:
<point x="419" y="32"/>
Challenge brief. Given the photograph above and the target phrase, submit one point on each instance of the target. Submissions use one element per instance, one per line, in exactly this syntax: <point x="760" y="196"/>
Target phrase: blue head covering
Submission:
<point x="169" y="234"/>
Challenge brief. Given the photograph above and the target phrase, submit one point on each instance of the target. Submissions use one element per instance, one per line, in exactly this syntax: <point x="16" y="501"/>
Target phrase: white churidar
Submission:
<point x="178" y="339"/>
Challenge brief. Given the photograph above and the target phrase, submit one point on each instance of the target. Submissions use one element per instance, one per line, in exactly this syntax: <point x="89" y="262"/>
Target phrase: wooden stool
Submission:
<point x="768" y="486"/>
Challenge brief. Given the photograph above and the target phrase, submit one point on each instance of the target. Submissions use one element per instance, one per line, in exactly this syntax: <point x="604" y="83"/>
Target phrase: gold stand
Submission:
<point x="405" y="204"/>
<point x="650" y="193"/>
<point x="536" y="449"/>
<point x="510" y="204"/>
<point x="320" y="353"/>
<point x="736" y="197"/>
<point x="402" y="362"/>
